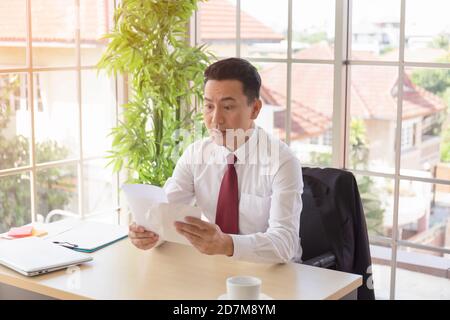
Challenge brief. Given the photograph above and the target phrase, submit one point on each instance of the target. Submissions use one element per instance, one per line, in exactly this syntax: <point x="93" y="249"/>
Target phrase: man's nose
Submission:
<point x="217" y="117"/>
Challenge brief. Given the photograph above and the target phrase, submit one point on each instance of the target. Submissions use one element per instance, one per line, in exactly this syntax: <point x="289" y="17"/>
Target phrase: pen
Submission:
<point x="66" y="244"/>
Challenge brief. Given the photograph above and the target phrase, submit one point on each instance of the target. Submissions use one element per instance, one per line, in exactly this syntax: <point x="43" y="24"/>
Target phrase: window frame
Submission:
<point x="30" y="91"/>
<point x="341" y="102"/>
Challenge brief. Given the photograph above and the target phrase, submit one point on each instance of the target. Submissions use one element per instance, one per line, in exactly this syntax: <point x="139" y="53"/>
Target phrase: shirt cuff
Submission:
<point x="243" y="246"/>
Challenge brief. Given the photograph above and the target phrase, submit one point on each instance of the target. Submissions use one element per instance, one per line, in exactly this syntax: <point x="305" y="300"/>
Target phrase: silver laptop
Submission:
<point x="33" y="256"/>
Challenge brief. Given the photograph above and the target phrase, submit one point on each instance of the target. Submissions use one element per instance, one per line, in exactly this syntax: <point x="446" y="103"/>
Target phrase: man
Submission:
<point x="247" y="183"/>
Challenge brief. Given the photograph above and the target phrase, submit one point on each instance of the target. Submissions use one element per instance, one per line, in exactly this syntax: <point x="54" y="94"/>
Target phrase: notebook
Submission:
<point x="33" y="256"/>
<point x="89" y="236"/>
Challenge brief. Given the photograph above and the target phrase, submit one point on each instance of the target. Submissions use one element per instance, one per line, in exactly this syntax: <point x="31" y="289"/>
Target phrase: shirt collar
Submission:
<point x="241" y="153"/>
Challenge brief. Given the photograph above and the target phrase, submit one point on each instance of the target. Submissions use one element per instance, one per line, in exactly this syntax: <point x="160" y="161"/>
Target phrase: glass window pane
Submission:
<point x="425" y="137"/>
<point x="273" y="94"/>
<point x="13" y="33"/>
<point x="313" y="29"/>
<point x="99" y="112"/>
<point x="56" y="115"/>
<point x="377" y="197"/>
<point x="424" y="212"/>
<point x="15" y="121"/>
<point x="312" y="113"/>
<point x="53" y="32"/>
<point x="373" y="116"/>
<point x="421" y="275"/>
<point x="264" y="28"/>
<point x="381" y="270"/>
<point x="98" y="187"/>
<point x="427" y="36"/>
<point x="375" y="30"/>
<point x="217" y="26"/>
<point x="56" y="189"/>
<point x="15" y="201"/>
<point x="95" y="21"/>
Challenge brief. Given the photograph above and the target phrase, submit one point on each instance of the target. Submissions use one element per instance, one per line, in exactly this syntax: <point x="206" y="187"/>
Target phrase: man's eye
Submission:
<point x="228" y="107"/>
<point x="208" y="107"/>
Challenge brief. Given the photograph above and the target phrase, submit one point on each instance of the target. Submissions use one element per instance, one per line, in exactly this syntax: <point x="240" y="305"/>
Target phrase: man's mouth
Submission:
<point x="217" y="131"/>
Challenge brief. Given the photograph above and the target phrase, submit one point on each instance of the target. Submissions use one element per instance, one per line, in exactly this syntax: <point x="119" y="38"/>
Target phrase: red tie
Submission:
<point x="227" y="213"/>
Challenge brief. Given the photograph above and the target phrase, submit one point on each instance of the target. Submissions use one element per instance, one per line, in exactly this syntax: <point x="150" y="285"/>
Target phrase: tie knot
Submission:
<point x="231" y="159"/>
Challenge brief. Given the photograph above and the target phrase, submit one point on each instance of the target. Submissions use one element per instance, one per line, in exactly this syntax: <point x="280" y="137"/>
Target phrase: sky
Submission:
<point x="320" y="13"/>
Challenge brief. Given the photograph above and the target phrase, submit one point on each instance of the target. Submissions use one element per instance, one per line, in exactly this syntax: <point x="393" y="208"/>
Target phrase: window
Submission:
<point x="324" y="139"/>
<point x="295" y="62"/>
<point x="430" y="126"/>
<point x="13" y="93"/>
<point x="340" y="78"/>
<point x="20" y="95"/>
<point x="55" y="112"/>
<point x="328" y="138"/>
<point x="408" y="132"/>
<point x="339" y="103"/>
<point x="314" y="140"/>
<point x="38" y="93"/>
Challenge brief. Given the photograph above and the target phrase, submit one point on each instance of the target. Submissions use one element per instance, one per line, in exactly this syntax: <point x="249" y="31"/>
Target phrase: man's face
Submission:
<point x="227" y="112"/>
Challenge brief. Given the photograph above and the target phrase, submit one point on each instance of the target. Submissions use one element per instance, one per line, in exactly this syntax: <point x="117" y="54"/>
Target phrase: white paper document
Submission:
<point x="151" y="210"/>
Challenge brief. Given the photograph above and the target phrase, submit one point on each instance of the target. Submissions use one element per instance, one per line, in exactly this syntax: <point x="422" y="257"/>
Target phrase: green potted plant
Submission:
<point x="149" y="42"/>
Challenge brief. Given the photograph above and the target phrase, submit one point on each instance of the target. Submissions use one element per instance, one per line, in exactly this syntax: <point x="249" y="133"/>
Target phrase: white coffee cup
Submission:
<point x="243" y="288"/>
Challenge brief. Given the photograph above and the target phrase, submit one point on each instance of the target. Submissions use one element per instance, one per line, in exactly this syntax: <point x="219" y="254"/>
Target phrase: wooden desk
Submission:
<point x="175" y="271"/>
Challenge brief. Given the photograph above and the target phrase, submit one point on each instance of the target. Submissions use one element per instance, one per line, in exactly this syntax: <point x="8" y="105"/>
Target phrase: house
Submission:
<point x="374" y="100"/>
<point x="375" y="37"/>
<point x="53" y="40"/>
<point x="53" y="32"/>
<point x="217" y="28"/>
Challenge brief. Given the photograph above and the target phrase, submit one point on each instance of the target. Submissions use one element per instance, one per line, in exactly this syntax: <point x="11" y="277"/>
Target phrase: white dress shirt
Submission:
<point x="270" y="186"/>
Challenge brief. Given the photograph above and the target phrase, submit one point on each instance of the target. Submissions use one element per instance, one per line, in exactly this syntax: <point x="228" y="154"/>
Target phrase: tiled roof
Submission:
<point x="218" y="22"/>
<point x="53" y="21"/>
<point x="373" y="94"/>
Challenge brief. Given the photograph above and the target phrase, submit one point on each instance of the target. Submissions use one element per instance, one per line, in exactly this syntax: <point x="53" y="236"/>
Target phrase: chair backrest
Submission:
<point x="314" y="239"/>
<point x="332" y="223"/>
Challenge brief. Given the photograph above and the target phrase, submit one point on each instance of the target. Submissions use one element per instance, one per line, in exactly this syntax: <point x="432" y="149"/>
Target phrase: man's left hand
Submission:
<point x="206" y="237"/>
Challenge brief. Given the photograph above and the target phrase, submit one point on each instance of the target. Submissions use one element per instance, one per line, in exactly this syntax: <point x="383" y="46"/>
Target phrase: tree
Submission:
<point x="321" y="158"/>
<point x="441" y="41"/>
<point x="14" y="189"/>
<point x="310" y="38"/>
<point x="437" y="81"/>
<point x="359" y="150"/>
<point x="369" y="192"/>
<point x="54" y="185"/>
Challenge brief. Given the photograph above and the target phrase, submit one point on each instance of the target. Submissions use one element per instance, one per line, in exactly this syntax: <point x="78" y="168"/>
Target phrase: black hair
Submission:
<point x="236" y="69"/>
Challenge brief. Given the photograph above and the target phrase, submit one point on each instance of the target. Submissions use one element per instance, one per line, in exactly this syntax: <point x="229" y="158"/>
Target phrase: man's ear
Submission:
<point x="256" y="108"/>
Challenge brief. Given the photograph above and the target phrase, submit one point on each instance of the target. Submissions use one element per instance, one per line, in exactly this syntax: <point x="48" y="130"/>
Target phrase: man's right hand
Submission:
<point x="142" y="238"/>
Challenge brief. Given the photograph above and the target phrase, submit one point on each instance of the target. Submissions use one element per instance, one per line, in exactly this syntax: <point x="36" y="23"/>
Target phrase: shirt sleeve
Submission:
<point x="180" y="187"/>
<point x="280" y="243"/>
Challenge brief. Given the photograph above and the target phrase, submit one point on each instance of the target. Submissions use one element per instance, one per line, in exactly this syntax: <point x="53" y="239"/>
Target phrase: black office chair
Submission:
<point x="333" y="229"/>
<point x="316" y="247"/>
